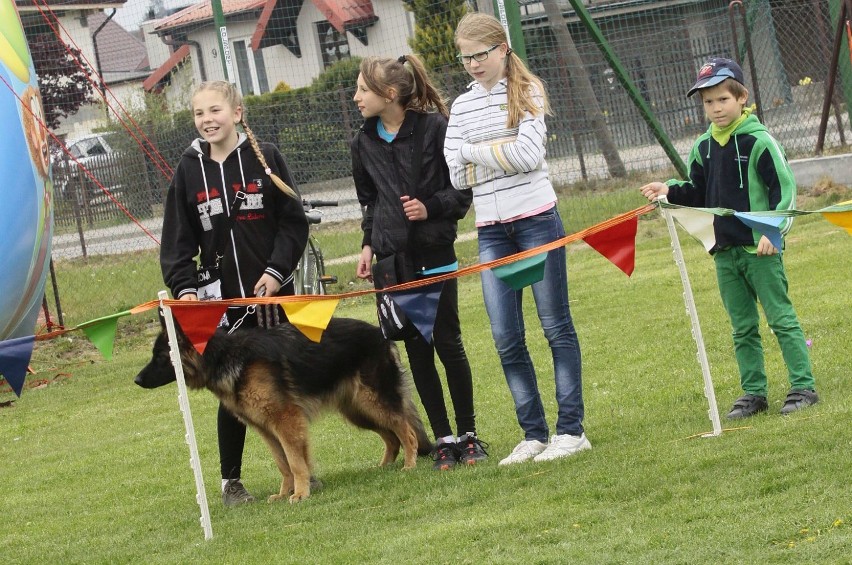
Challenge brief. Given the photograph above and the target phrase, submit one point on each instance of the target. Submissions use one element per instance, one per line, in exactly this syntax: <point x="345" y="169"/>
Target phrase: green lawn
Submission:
<point x="96" y="470"/>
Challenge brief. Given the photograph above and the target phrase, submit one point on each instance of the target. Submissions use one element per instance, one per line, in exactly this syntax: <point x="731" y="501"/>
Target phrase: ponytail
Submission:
<point x="408" y="77"/>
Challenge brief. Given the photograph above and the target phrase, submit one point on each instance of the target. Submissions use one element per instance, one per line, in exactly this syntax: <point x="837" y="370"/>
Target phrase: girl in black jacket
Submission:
<point x="394" y="95"/>
<point x="258" y="253"/>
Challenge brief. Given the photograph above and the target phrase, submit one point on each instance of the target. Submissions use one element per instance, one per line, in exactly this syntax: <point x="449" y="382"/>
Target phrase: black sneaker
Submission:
<point x="798" y="399"/>
<point x="235" y="493"/>
<point x="445" y="456"/>
<point x="746" y="406"/>
<point x="471" y="449"/>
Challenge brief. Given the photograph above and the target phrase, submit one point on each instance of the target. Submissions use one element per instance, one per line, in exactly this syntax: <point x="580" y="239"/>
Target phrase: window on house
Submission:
<point x="251" y="71"/>
<point x="333" y="45"/>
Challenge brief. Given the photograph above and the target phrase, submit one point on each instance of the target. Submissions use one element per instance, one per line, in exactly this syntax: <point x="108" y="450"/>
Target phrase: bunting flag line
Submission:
<point x="421" y="307"/>
<point x="618" y="244"/>
<point x="698" y="222"/>
<point x="311" y="317"/>
<point x="15" y="355"/>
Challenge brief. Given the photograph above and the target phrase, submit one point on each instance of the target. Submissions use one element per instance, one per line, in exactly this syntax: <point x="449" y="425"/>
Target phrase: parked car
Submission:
<point x="98" y="156"/>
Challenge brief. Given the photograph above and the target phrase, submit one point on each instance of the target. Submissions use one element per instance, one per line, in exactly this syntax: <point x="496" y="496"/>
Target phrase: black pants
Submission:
<point x="231" y="432"/>
<point x="447" y="341"/>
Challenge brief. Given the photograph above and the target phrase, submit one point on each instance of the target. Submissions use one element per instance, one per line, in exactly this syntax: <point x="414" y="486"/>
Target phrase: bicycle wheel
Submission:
<point x="311" y="268"/>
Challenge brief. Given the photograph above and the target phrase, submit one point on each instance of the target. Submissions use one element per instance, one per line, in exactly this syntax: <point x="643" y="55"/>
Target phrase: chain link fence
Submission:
<point x="296" y="63"/>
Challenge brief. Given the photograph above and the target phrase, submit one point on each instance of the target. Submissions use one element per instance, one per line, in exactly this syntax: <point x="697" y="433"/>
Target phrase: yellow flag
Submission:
<point x="311" y="316"/>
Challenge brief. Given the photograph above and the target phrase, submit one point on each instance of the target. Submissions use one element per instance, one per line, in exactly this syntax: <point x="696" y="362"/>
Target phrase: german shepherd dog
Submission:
<point x="277" y="380"/>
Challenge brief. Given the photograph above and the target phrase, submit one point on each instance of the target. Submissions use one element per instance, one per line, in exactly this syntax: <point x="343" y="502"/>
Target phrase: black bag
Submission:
<point x="394" y="323"/>
<point x="395" y="269"/>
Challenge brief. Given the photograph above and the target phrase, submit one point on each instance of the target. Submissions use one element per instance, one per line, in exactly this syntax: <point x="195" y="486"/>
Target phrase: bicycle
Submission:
<point x="310" y="277"/>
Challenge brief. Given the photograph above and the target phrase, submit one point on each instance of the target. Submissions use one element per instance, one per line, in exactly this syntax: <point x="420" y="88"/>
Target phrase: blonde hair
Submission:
<point x="235" y="100"/>
<point x="408" y="76"/>
<point x="522" y="85"/>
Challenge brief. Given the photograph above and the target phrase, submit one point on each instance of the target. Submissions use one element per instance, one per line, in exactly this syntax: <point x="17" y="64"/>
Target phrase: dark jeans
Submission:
<point x="447" y="341"/>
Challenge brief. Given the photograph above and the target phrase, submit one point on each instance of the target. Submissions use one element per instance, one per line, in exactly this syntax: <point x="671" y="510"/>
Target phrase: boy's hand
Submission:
<point x="654" y="189"/>
<point x="765" y="247"/>
<point x="269" y="283"/>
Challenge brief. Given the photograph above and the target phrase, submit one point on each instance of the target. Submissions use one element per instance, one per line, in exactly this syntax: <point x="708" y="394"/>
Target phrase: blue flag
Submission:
<point x="15" y="356"/>
<point x="421" y="307"/>
<point x="766" y="225"/>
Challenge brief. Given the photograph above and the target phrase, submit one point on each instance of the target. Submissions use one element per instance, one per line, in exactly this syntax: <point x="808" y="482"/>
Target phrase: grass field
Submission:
<point x="96" y="470"/>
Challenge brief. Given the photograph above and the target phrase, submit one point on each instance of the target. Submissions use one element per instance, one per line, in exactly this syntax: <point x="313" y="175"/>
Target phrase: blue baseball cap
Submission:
<point x="715" y="71"/>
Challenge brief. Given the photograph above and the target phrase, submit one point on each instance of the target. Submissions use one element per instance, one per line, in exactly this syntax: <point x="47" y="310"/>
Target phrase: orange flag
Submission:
<point x="617" y="243"/>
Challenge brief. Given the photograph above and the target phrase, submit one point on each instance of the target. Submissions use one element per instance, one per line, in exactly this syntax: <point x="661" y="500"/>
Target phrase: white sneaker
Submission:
<point x="524" y="451"/>
<point x="563" y="446"/>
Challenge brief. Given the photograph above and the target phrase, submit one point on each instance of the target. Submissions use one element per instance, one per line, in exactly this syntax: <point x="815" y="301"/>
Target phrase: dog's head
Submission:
<point x="159" y="371"/>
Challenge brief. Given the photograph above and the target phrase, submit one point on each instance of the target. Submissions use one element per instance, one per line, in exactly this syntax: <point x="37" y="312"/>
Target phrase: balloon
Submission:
<point x="26" y="211"/>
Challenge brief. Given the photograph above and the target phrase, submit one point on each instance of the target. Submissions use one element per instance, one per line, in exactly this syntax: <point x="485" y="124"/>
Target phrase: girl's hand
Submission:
<point x="765" y="247"/>
<point x="365" y="264"/>
<point x="270" y="283"/>
<point x="654" y="189"/>
<point x="414" y="210"/>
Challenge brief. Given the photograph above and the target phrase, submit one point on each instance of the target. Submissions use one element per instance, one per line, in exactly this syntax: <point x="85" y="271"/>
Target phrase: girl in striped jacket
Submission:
<point x="495" y="145"/>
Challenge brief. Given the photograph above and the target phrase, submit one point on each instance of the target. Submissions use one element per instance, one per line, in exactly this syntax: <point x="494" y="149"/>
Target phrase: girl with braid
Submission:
<point x="226" y="181"/>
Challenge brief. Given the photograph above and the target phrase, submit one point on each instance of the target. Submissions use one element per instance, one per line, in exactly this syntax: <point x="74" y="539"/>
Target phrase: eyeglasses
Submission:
<point x="478" y="57"/>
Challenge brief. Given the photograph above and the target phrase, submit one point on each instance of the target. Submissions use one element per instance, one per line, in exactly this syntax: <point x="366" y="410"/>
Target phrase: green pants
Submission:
<point x="744" y="279"/>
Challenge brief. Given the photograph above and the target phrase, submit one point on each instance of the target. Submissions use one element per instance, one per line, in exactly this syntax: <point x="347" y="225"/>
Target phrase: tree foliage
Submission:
<point x="434" y="24"/>
<point x="63" y="83"/>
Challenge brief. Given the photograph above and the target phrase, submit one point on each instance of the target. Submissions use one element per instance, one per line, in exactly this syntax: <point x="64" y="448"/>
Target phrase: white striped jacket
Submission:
<point x="505" y="167"/>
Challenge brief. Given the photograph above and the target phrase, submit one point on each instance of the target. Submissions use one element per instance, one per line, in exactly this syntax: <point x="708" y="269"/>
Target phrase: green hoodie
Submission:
<point x="749" y="173"/>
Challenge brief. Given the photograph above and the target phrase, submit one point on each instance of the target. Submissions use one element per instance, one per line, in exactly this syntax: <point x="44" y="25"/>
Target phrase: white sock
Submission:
<point x="224" y="483"/>
<point x="464" y="436"/>
<point x="447" y="439"/>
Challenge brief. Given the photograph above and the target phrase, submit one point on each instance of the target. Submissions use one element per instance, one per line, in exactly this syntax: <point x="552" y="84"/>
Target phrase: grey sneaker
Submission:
<point x="747" y="406"/>
<point x="235" y="493"/>
<point x="798" y="399"/>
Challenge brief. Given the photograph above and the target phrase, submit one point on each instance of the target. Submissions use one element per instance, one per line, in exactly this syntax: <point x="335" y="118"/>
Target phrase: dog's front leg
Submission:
<point x="281" y="462"/>
<point x="290" y="427"/>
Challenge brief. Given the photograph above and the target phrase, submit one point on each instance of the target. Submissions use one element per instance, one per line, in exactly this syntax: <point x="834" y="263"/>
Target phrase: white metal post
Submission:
<point x="183" y="400"/>
<point x="689" y="299"/>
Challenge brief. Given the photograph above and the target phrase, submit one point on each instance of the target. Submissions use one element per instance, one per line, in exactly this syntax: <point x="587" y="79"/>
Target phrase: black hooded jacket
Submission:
<point x="382" y="174"/>
<point x="269" y="234"/>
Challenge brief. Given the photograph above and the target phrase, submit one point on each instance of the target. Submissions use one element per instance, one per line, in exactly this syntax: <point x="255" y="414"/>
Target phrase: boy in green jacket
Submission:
<point x="737" y="164"/>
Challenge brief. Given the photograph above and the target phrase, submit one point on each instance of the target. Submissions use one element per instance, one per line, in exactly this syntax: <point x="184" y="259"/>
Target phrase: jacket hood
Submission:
<point x="199" y="146"/>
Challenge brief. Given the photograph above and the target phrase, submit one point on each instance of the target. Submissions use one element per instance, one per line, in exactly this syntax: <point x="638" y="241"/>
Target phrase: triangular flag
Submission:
<point x="698" y="224"/>
<point x="842" y="219"/>
<point x="199" y="322"/>
<point x="618" y="244"/>
<point x="522" y="273"/>
<point x="311" y="317"/>
<point x="101" y="332"/>
<point x="766" y="225"/>
<point x="421" y="307"/>
<point x="15" y="355"/>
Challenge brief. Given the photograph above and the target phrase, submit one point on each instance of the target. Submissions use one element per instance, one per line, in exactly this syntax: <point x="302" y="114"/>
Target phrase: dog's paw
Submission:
<point x="275" y="498"/>
<point x="294" y="498"/>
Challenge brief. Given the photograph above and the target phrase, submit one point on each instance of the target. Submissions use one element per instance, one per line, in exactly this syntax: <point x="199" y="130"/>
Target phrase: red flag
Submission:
<point x="199" y="322"/>
<point x="618" y="244"/>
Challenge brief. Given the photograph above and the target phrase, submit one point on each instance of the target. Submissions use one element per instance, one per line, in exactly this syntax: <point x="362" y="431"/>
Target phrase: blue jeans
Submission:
<point x="505" y="310"/>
